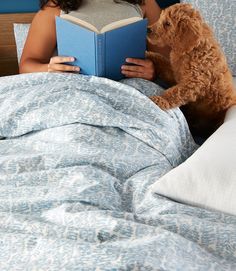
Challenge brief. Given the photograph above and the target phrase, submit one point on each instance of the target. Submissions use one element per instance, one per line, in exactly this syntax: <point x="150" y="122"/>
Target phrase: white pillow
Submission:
<point x="207" y="178"/>
<point x="20" y="32"/>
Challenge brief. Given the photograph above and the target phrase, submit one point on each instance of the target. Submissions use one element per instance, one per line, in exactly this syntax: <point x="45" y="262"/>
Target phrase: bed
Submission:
<point x="80" y="162"/>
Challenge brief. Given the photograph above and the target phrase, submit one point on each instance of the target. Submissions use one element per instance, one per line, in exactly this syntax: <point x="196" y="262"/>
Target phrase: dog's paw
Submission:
<point x="162" y="103"/>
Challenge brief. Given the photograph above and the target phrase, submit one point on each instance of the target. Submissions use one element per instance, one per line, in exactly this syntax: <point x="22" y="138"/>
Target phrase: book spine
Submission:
<point x="100" y="55"/>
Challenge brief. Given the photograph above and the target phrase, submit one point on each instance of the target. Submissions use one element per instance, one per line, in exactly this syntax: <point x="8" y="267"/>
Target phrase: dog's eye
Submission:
<point x="166" y="24"/>
<point x="149" y="30"/>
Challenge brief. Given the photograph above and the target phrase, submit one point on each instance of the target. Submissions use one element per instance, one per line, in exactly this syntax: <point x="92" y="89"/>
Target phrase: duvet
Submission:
<point x="77" y="156"/>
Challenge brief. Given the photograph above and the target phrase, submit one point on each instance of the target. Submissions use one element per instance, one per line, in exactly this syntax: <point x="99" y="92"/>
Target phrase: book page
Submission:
<point x="80" y="22"/>
<point x="120" y="23"/>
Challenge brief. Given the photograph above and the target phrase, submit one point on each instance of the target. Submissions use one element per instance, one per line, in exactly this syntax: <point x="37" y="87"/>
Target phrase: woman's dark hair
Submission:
<point x="65" y="5"/>
<point x="68" y="5"/>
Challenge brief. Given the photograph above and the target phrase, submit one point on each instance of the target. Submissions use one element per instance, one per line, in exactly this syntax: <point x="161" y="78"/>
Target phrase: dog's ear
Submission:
<point x="189" y="32"/>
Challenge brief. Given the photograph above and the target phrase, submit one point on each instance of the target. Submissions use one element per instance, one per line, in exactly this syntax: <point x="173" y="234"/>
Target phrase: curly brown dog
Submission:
<point x="197" y="68"/>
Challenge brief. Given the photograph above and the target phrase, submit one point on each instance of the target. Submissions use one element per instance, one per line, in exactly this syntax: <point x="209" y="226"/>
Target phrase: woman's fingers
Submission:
<point x="141" y="68"/>
<point x="56" y="64"/>
<point x="61" y="59"/>
<point x="133" y="68"/>
<point x="137" y="61"/>
<point x="62" y="68"/>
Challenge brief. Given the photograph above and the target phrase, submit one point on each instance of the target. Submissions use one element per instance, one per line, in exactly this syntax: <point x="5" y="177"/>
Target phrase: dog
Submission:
<point x="201" y="82"/>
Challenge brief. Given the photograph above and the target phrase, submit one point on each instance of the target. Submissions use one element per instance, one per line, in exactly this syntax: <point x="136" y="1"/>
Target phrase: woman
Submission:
<point x="41" y="41"/>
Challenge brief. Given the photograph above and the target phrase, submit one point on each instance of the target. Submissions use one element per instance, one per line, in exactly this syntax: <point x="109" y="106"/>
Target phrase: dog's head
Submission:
<point x="179" y="27"/>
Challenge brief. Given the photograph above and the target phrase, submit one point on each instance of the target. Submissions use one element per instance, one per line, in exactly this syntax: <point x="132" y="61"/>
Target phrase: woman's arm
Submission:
<point x="41" y="43"/>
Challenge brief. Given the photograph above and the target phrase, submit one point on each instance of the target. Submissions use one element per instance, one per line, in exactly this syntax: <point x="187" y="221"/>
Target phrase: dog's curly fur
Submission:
<point x="197" y="69"/>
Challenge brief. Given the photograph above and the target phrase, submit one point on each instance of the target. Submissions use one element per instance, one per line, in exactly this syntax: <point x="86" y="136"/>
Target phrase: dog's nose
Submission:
<point x="149" y="30"/>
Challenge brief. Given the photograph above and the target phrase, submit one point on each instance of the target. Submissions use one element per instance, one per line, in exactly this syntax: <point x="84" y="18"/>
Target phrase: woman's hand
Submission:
<point x="142" y="68"/>
<point x="56" y="64"/>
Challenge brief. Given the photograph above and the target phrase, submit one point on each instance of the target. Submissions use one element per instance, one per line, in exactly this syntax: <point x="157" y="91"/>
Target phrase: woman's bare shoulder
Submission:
<point x="47" y="13"/>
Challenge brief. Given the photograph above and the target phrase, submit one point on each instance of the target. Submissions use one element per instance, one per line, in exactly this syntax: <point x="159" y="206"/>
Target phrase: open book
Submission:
<point x="100" y="45"/>
<point x="100" y="24"/>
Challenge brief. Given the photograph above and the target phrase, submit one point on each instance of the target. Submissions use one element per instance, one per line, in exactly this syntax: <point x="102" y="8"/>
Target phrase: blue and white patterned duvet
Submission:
<point x="77" y="156"/>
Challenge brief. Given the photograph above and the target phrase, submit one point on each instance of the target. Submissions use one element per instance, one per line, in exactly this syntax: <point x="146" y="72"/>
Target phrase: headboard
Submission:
<point x="8" y="56"/>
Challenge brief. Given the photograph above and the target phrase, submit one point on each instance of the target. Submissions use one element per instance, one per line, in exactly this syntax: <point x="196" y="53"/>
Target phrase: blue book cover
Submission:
<point x="101" y="54"/>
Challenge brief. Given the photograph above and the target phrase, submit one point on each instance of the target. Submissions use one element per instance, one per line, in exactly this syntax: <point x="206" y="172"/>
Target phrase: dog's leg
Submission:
<point x="162" y="67"/>
<point x="179" y="95"/>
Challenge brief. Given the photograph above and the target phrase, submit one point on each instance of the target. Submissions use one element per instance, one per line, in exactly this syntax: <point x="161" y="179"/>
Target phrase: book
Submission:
<point x="100" y="48"/>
